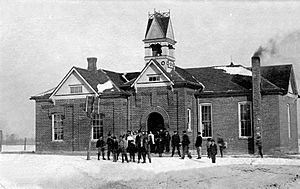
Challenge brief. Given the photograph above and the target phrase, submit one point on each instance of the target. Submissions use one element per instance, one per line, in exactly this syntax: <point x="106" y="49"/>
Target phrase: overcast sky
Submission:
<point x="42" y="40"/>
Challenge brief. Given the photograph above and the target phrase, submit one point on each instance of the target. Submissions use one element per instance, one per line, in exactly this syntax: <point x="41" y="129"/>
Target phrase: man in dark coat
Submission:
<point x="115" y="148"/>
<point x="185" y="145"/>
<point x="138" y="144"/>
<point x="109" y="143"/>
<point x="222" y="145"/>
<point x="213" y="151"/>
<point x="175" y="143"/>
<point x="167" y="140"/>
<point x="160" y="143"/>
<point x="101" y="147"/>
<point x="146" y="148"/>
<point x="198" y="145"/>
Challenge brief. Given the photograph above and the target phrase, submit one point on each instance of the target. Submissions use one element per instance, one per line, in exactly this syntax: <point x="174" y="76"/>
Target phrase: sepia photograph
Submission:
<point x="112" y="94"/>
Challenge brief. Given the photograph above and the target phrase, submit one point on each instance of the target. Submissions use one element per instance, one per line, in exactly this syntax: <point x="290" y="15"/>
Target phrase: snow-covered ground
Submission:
<point x="61" y="171"/>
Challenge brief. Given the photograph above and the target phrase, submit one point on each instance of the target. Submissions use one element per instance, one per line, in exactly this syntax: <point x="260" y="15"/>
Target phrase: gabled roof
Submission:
<point x="215" y="79"/>
<point x="228" y="78"/>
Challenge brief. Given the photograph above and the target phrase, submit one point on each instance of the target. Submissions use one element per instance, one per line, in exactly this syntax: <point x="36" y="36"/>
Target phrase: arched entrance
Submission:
<point x="155" y="122"/>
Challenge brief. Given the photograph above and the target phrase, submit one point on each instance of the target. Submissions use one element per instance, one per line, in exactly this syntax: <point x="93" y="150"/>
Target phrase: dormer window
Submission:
<point x="154" y="78"/>
<point x="75" y="89"/>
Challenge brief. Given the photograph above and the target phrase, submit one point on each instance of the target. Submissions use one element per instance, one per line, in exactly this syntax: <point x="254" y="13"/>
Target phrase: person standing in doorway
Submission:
<point x="185" y="145"/>
<point x="160" y="143"/>
<point x="101" y="147"/>
<point x="175" y="141"/>
<point x="213" y="151"/>
<point x="151" y="141"/>
<point x="198" y="145"/>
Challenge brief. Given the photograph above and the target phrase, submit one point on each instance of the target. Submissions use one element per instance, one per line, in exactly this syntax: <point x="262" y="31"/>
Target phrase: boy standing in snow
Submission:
<point x="115" y="148"/>
<point x="213" y="151"/>
<point x="198" y="144"/>
<point x="222" y="145"/>
<point x="146" y="149"/>
<point x="175" y="143"/>
<point x="208" y="143"/>
<point x="109" y="143"/>
<point x="101" y="147"/>
<point x="123" y="148"/>
<point x="185" y="145"/>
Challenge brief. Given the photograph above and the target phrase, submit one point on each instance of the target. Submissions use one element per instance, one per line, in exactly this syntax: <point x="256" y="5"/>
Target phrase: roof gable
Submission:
<point x="155" y="31"/>
<point x="152" y="68"/>
<point x="75" y="78"/>
<point x="280" y="75"/>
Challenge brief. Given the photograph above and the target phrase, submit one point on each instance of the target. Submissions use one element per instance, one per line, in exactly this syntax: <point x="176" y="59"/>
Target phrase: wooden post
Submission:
<point x="90" y="109"/>
<point x="90" y="139"/>
<point x="25" y="144"/>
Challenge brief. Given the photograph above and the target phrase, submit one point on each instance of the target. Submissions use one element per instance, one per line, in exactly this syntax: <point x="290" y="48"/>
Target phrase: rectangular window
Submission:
<point x="289" y="120"/>
<point x="57" y="127"/>
<point x="206" y="119"/>
<point x="245" y="121"/>
<point x="154" y="78"/>
<point x="76" y="89"/>
<point x="189" y="119"/>
<point x="97" y="126"/>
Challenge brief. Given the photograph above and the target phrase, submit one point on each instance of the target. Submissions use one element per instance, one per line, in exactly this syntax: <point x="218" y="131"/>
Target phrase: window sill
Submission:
<point x="245" y="138"/>
<point x="57" y="140"/>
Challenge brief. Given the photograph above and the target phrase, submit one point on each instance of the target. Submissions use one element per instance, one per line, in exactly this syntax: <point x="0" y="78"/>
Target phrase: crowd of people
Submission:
<point x="143" y="144"/>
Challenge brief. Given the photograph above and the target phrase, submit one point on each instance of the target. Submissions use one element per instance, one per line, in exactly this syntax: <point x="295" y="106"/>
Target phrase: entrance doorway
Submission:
<point x="155" y="122"/>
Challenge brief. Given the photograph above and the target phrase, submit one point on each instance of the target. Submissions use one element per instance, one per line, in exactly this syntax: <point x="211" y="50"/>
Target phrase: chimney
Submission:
<point x="92" y="64"/>
<point x="256" y="95"/>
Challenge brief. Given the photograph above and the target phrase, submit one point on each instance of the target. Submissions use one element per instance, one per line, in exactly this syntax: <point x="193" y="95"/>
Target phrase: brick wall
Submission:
<point x="225" y="123"/>
<point x="288" y="144"/>
<point x="270" y="123"/>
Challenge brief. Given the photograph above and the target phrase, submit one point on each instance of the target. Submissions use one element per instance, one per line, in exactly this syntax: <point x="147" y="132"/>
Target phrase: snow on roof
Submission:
<point x="46" y="92"/>
<point x="235" y="70"/>
<point x="102" y="87"/>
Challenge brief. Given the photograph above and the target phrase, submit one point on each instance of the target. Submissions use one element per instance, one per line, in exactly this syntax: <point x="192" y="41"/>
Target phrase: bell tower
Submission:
<point x="159" y="40"/>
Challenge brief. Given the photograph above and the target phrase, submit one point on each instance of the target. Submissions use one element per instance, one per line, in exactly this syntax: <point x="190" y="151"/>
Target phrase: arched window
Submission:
<point x="156" y="49"/>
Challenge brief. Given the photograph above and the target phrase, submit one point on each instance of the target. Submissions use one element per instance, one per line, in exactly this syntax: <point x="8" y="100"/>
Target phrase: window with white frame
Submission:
<point x="189" y="119"/>
<point x="75" y="89"/>
<point x="289" y="120"/>
<point x="206" y="119"/>
<point x="57" y="127"/>
<point x="245" y="121"/>
<point x="154" y="78"/>
<point x="97" y="126"/>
